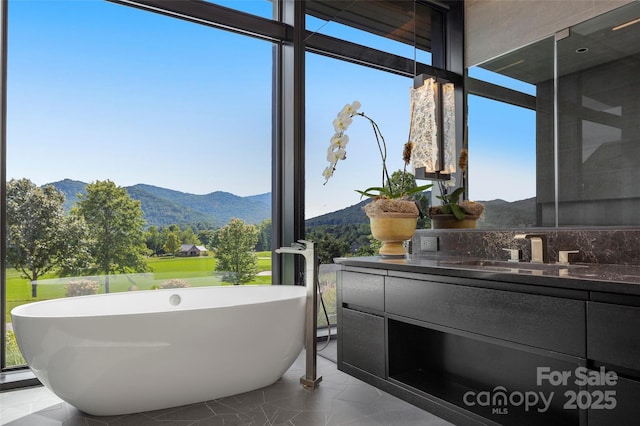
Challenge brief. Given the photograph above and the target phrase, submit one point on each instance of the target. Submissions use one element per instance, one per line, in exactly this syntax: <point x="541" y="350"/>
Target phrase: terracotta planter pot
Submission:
<point x="449" y="221"/>
<point x="393" y="229"/>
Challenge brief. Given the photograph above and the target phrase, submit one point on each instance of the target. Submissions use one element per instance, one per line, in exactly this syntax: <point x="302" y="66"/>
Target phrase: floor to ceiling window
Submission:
<point x="332" y="81"/>
<point x="105" y="99"/>
<point x="333" y="209"/>
<point x="180" y="114"/>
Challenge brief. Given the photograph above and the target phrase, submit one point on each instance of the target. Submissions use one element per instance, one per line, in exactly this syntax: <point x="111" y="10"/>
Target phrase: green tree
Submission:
<point x="171" y="243"/>
<point x="78" y="258"/>
<point x="164" y="234"/>
<point x="115" y="225"/>
<point x="329" y="247"/>
<point x="234" y="253"/>
<point x="264" y="237"/>
<point x="369" y="249"/>
<point x="154" y="240"/>
<point x="409" y="182"/>
<point x="189" y="237"/>
<point x="173" y="228"/>
<point x="207" y="237"/>
<point x="39" y="236"/>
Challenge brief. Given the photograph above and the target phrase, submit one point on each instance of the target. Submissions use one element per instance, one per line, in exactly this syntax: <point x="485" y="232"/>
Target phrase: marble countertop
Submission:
<point x="609" y="278"/>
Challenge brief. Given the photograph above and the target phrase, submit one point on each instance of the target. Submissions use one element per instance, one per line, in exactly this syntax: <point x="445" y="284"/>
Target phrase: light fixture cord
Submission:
<point x="311" y="33"/>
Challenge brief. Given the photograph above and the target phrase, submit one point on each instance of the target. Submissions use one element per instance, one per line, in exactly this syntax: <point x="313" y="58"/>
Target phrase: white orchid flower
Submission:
<point x="327" y="173"/>
<point x="339" y="140"/>
<point x="333" y="156"/>
<point x="341" y="123"/>
<point x="351" y="109"/>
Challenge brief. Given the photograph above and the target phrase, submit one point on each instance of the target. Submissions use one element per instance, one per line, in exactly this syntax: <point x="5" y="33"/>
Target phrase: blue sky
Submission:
<point x="103" y="91"/>
<point x="99" y="90"/>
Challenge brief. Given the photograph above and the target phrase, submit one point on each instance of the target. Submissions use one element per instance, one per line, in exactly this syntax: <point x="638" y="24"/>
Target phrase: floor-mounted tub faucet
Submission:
<point x="307" y="249"/>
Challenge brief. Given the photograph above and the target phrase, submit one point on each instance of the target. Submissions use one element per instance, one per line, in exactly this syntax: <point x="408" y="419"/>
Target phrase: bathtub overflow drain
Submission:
<point x="175" y="299"/>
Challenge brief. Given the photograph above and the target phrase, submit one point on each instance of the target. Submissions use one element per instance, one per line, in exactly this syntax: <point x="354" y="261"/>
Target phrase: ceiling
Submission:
<point x="534" y="63"/>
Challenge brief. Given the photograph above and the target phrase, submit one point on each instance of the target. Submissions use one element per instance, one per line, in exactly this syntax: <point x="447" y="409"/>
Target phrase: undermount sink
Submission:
<point x="506" y="265"/>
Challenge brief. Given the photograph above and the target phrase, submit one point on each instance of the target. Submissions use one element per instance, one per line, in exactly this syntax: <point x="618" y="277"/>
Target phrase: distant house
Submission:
<point x="188" y="250"/>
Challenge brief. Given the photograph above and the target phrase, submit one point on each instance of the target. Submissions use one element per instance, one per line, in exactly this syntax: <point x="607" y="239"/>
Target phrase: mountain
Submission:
<point x="263" y="198"/>
<point x="162" y="207"/>
<point x="71" y="189"/>
<point x="498" y="214"/>
<point x="352" y="215"/>
<point x="219" y="207"/>
<point x="505" y="214"/>
<point x="349" y="215"/>
<point x="163" y="211"/>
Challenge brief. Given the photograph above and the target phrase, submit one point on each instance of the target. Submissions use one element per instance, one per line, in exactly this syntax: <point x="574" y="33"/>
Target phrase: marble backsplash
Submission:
<point x="595" y="245"/>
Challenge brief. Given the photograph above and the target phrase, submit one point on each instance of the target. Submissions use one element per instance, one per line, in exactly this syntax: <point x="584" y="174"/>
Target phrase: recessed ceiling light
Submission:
<point x="626" y="24"/>
<point x="582" y="50"/>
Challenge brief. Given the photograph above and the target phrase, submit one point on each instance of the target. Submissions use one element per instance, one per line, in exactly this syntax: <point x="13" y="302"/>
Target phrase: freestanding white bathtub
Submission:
<point x="130" y="352"/>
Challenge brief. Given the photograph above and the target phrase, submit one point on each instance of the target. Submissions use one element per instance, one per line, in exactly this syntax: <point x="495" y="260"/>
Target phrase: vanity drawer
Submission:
<point x="540" y="321"/>
<point x="625" y="394"/>
<point x="363" y="341"/>
<point x="613" y="334"/>
<point x="365" y="290"/>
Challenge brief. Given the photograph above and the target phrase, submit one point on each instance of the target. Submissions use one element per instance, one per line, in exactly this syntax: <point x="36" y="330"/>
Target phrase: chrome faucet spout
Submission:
<point x="301" y="247"/>
<point x="538" y="246"/>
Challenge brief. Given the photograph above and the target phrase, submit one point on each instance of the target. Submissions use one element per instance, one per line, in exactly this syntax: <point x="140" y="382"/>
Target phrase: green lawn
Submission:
<point x="197" y="271"/>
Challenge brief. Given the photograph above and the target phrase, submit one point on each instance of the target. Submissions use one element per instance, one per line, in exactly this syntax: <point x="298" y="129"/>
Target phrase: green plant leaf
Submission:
<point x="457" y="211"/>
<point x="417" y="189"/>
<point x="384" y="191"/>
<point x="445" y="209"/>
<point x="455" y="195"/>
<point x="380" y="191"/>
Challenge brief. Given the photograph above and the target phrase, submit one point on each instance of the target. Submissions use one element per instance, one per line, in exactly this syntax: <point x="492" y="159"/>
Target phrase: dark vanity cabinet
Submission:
<point x="364" y="344"/>
<point x="613" y="336"/>
<point x="479" y="351"/>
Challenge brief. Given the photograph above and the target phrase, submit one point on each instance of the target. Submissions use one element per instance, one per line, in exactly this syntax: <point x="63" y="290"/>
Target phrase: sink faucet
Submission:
<point x="307" y="249"/>
<point x="538" y="246"/>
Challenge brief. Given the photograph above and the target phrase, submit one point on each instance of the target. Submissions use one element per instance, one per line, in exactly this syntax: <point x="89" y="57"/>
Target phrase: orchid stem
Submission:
<point x="382" y="147"/>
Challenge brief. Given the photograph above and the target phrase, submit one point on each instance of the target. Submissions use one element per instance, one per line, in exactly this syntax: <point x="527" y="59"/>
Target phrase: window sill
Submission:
<point x="18" y="379"/>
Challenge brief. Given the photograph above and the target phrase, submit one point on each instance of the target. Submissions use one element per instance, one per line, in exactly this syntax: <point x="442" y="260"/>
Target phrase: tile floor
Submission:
<point x="340" y="400"/>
